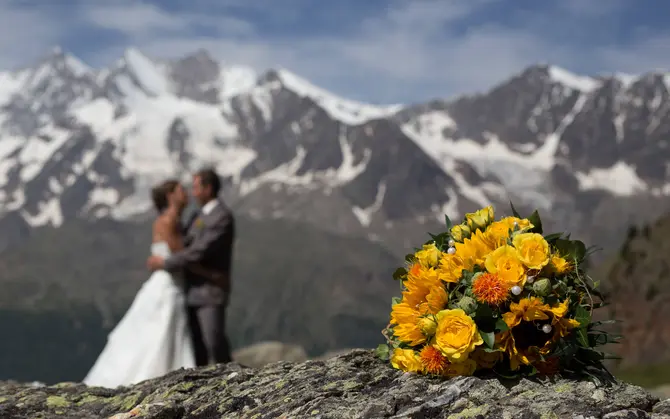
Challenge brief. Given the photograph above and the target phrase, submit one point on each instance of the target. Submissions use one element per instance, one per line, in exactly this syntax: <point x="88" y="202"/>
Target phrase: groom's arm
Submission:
<point x="196" y="250"/>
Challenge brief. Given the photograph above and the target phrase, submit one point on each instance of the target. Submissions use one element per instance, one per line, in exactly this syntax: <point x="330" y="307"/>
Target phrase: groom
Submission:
<point x="209" y="244"/>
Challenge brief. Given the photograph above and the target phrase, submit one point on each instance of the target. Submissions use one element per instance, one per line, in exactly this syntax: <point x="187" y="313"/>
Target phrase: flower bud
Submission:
<point x="460" y="232"/>
<point x="542" y="287"/>
<point x="479" y="219"/>
<point x="467" y="304"/>
<point x="428" y="325"/>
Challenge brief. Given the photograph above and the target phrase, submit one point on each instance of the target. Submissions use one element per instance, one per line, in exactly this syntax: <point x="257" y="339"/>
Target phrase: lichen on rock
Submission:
<point x="352" y="385"/>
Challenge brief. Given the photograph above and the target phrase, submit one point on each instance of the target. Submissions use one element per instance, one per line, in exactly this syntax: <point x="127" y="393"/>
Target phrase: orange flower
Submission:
<point x="433" y="361"/>
<point x="489" y="288"/>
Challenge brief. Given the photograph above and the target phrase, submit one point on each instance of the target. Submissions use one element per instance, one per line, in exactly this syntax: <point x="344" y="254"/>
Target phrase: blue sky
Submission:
<point x="379" y="51"/>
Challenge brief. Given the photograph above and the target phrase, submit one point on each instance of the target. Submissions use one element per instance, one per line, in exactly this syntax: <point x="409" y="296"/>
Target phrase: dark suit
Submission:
<point x="209" y="243"/>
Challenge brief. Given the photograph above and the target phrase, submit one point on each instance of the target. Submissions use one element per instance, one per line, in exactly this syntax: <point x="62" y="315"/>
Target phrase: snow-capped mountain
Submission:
<point x="83" y="142"/>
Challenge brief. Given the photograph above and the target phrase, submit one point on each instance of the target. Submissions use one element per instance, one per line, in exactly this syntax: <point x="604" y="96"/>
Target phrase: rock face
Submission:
<point x="638" y="288"/>
<point x="352" y="385"/>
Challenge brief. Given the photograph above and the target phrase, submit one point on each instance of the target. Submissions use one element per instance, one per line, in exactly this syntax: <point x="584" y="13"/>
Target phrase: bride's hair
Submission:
<point x="159" y="194"/>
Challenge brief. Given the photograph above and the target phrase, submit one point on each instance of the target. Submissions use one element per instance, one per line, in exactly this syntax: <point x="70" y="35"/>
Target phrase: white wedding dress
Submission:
<point x="151" y="339"/>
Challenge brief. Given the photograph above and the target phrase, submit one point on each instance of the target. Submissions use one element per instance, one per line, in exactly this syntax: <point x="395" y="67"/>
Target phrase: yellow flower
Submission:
<point x="451" y="268"/>
<point x="428" y="256"/>
<point x="518" y="356"/>
<point x="523" y="342"/>
<point x="559" y="265"/>
<point x="460" y="232"/>
<point x="407" y="321"/>
<point x="425" y="296"/>
<point x="500" y="230"/>
<point x="505" y="262"/>
<point x="560" y="324"/>
<point x="456" y="335"/>
<point x="473" y="250"/>
<point x="486" y="360"/>
<point x="527" y="309"/>
<point x="480" y="218"/>
<point x="419" y="283"/>
<point x="533" y="250"/>
<point x="465" y="368"/>
<point x="436" y="300"/>
<point x="406" y="360"/>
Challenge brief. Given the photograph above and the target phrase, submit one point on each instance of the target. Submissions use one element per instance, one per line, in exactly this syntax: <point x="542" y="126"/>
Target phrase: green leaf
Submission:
<point x="579" y="249"/>
<point x="395" y="300"/>
<point x="514" y="212"/>
<point x="448" y="222"/>
<point x="400" y="274"/>
<point x="536" y="221"/>
<point x="553" y="237"/>
<point x="489" y="338"/>
<point x="571" y="249"/>
<point x="584" y="318"/>
<point x="501" y="326"/>
<point x="383" y="352"/>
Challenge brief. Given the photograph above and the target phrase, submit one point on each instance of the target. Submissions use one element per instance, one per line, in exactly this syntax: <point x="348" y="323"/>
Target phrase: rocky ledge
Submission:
<point x="352" y="385"/>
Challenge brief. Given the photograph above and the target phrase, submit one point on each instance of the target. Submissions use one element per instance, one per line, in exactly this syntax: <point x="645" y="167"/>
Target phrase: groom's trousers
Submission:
<point x="208" y="330"/>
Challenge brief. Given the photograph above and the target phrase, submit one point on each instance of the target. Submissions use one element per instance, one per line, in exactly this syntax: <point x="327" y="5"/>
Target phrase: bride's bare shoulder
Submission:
<point x="161" y="226"/>
<point x="165" y="228"/>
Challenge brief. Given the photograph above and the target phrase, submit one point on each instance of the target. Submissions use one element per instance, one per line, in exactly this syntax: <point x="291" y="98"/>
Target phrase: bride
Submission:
<point x="152" y="338"/>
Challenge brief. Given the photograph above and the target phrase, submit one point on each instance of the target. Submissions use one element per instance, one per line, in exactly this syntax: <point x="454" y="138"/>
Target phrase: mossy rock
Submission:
<point x="352" y="385"/>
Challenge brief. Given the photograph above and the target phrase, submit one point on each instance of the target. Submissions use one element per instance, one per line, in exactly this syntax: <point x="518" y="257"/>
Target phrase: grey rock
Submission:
<point x="352" y="385"/>
<point x="663" y="407"/>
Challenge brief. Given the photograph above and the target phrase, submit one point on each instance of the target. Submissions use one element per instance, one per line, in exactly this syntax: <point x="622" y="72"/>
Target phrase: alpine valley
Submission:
<point x="329" y="193"/>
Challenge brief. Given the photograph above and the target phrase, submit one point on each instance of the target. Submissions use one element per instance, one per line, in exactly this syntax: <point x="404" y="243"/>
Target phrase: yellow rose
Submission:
<point x="505" y="262"/>
<point x="406" y="360"/>
<point x="465" y="368"/>
<point x="428" y="256"/>
<point x="486" y="360"/>
<point x="456" y="334"/>
<point x="533" y="250"/>
<point x="480" y="219"/>
<point x="460" y="232"/>
<point x="559" y="265"/>
<point x="498" y="232"/>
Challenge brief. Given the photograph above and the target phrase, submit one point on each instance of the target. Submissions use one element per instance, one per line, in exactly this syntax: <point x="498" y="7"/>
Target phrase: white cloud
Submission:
<point x="412" y="50"/>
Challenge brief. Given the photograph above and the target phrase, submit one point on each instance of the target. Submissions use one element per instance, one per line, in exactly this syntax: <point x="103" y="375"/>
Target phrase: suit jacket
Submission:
<point x="209" y="243"/>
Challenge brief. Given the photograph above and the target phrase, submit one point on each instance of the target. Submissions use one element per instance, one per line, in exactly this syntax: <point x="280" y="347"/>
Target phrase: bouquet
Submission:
<point x="497" y="296"/>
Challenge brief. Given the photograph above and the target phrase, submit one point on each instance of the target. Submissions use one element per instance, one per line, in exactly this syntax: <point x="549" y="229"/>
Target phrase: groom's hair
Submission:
<point x="159" y="194"/>
<point x="208" y="177"/>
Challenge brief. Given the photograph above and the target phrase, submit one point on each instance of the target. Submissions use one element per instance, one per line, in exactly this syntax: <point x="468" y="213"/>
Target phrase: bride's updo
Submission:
<point x="159" y="194"/>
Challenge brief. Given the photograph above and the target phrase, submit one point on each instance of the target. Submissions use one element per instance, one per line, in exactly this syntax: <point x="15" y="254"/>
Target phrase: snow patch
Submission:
<point x="364" y="215"/>
<point x="619" y="179"/>
<point x="573" y="81"/>
<point x="150" y="78"/>
<point x="347" y="111"/>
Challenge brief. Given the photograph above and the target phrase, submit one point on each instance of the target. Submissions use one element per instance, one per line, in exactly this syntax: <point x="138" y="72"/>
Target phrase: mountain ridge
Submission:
<point x="331" y="193"/>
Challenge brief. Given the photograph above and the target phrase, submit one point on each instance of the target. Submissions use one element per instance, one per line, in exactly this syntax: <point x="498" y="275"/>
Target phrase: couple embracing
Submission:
<point x="177" y="319"/>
